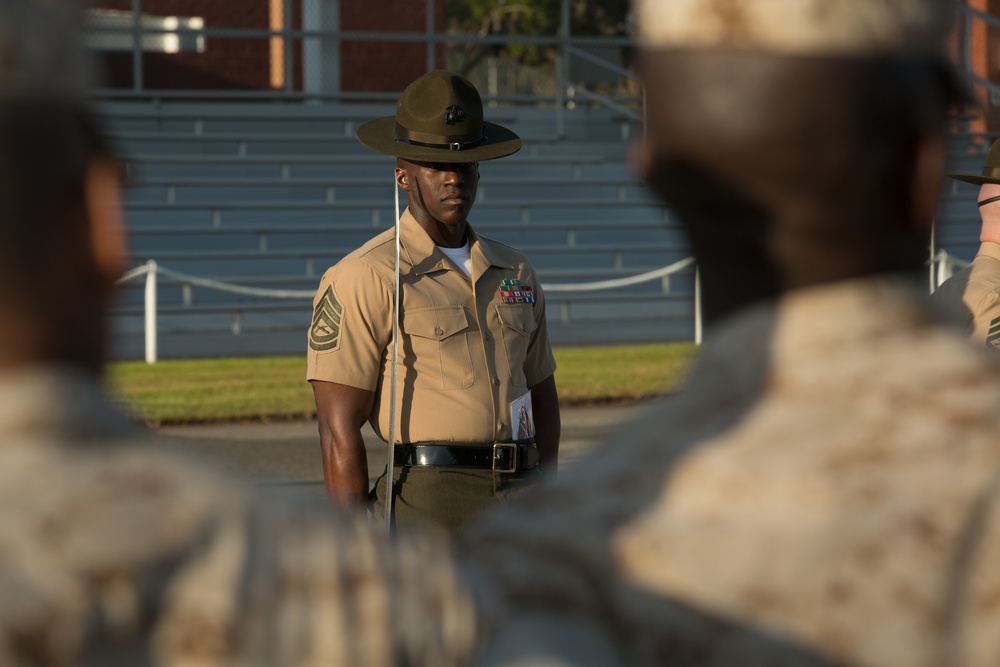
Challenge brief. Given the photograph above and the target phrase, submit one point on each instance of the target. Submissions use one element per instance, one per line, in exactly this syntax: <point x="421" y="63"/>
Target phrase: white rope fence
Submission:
<point x="151" y="270"/>
<point x="622" y="282"/>
<point x="943" y="266"/>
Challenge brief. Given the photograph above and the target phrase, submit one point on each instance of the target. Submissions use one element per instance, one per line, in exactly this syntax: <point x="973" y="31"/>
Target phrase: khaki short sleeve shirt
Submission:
<point x="975" y="293"/>
<point x="468" y="346"/>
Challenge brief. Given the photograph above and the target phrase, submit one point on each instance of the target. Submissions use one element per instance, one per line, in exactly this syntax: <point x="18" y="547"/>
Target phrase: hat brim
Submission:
<point x="975" y="179"/>
<point x="379" y="135"/>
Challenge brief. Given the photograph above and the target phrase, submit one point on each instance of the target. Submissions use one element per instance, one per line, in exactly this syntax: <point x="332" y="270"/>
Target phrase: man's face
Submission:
<point x="441" y="192"/>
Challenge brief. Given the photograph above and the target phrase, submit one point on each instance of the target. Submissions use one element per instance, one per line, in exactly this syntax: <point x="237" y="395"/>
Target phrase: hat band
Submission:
<point x="404" y="136"/>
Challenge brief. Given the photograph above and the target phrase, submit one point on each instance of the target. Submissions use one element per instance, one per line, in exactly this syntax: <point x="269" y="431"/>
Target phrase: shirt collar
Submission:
<point x="424" y="256"/>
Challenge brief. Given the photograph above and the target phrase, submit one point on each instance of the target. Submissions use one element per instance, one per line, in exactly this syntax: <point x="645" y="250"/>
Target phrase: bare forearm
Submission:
<point x="345" y="470"/>
<point x="341" y="412"/>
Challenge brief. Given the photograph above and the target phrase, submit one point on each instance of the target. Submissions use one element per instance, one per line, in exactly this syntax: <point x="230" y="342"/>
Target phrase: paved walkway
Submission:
<point x="286" y="454"/>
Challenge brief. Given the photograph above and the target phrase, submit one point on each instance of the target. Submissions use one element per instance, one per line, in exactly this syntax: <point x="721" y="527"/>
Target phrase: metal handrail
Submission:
<point x="621" y="71"/>
<point x="972" y="14"/>
<point x="565" y="43"/>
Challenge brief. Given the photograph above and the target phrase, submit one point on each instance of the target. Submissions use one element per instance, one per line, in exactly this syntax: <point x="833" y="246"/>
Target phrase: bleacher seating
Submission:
<point x="270" y="195"/>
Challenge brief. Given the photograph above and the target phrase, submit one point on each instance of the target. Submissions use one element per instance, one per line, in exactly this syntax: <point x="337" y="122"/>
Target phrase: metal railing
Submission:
<point x="968" y="16"/>
<point x="139" y="34"/>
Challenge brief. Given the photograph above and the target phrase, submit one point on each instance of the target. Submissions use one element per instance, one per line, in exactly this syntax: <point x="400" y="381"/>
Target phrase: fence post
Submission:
<point x="933" y="257"/>
<point x="150" y="312"/>
<point x="288" y="46"/>
<point x="697" y="306"/>
<point x="944" y="268"/>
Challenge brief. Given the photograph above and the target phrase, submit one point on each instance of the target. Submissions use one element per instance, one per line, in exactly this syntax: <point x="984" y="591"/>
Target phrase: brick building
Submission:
<point x="238" y="50"/>
<point x="977" y="52"/>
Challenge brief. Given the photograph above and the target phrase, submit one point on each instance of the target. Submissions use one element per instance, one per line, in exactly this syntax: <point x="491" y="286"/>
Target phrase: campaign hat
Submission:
<point x="991" y="169"/>
<point x="439" y="118"/>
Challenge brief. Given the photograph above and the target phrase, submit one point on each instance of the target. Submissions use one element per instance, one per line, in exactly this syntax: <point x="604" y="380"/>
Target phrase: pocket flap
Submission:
<point x="519" y="317"/>
<point x="437" y="322"/>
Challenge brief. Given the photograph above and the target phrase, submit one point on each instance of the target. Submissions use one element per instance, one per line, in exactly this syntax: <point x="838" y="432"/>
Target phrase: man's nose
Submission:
<point x="453" y="174"/>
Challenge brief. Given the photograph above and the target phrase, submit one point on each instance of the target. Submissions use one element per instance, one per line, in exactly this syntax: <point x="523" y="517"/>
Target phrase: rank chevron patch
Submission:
<point x="324" y="334"/>
<point x="993" y="335"/>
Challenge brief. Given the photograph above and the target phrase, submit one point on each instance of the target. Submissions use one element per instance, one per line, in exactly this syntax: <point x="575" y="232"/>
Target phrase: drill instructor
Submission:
<point x="975" y="290"/>
<point x="473" y="349"/>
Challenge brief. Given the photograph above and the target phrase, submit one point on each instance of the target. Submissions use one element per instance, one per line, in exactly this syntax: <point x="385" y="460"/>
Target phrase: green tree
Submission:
<point x="512" y="18"/>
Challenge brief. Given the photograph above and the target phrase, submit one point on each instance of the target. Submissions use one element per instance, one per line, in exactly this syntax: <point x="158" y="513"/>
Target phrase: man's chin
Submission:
<point x="452" y="216"/>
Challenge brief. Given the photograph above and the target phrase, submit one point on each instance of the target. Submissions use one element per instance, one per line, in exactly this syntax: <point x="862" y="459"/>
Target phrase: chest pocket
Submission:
<point x="438" y="347"/>
<point x="517" y="324"/>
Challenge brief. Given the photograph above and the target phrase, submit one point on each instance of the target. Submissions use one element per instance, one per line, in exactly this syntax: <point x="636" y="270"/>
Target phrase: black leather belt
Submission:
<point x="498" y="457"/>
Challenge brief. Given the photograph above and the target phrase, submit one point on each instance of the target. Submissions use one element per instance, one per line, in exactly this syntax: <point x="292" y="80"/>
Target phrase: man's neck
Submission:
<point x="446" y="236"/>
<point x="990" y="232"/>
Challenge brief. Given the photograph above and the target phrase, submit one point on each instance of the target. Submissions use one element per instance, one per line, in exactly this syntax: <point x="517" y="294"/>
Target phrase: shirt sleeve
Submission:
<point x="986" y="319"/>
<point x="539" y="363"/>
<point x="351" y="325"/>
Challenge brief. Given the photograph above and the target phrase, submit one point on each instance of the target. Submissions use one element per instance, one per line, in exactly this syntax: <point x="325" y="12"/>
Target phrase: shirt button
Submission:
<point x="439" y="331"/>
<point x="496" y="381"/>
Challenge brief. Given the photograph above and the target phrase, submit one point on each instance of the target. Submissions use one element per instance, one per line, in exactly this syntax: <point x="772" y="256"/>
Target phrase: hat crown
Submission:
<point x="993" y="156"/>
<point x="800" y="27"/>
<point x="440" y="107"/>
<point x="439" y="118"/>
<point x="991" y="168"/>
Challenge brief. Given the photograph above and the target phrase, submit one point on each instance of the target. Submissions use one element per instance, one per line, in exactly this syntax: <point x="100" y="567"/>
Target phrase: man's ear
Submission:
<point x="402" y="179"/>
<point x="930" y="159"/>
<point x="106" y="223"/>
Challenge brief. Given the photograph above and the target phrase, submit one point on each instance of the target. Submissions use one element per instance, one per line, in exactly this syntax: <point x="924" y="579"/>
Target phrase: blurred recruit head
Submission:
<point x="62" y="240"/>
<point x="800" y="141"/>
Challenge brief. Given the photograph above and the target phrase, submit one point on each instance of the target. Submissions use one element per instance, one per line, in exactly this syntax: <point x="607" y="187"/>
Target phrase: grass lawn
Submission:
<point x="273" y="388"/>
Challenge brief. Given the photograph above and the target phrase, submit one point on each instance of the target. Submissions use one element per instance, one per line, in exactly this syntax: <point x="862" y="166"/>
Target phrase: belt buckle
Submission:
<point x="497" y="446"/>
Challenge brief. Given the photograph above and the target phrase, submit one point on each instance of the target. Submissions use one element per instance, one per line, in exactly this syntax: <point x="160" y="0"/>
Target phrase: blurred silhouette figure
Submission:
<point x="113" y="553"/>
<point x="823" y="489"/>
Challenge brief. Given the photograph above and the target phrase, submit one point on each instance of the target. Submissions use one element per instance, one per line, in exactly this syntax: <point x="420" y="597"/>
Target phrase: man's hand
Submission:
<point x="548" y="427"/>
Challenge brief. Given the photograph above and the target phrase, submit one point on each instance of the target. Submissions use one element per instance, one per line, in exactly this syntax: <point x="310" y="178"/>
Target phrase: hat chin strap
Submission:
<point x="393" y="382"/>
<point x="989" y="201"/>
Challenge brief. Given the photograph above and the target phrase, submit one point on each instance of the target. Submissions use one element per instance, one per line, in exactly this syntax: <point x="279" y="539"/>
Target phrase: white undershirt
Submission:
<point x="461" y="256"/>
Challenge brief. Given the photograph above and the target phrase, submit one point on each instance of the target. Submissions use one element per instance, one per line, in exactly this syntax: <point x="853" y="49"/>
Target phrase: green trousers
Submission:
<point x="448" y="497"/>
